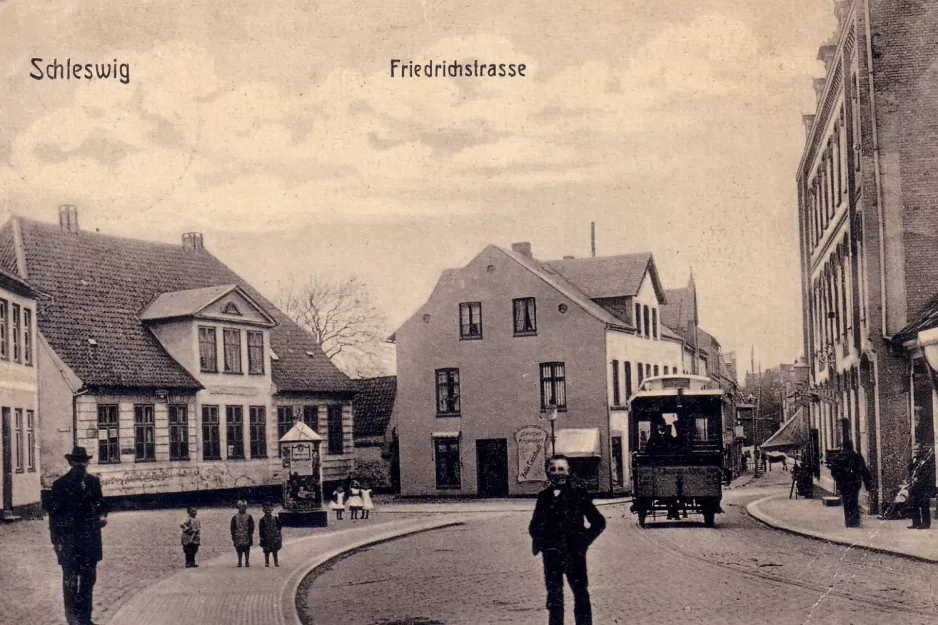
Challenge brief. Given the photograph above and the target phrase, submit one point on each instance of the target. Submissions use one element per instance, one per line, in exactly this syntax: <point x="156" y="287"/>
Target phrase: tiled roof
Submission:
<point x="11" y="281"/>
<point x="373" y="404"/>
<point x="608" y="276"/>
<point x="925" y="319"/>
<point x="674" y="313"/>
<point x="98" y="285"/>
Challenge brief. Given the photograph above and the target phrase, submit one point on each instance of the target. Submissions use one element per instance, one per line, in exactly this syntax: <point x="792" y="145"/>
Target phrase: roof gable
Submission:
<point x="99" y="285"/>
<point x="610" y="276"/>
<point x="227" y="302"/>
<point x="373" y="405"/>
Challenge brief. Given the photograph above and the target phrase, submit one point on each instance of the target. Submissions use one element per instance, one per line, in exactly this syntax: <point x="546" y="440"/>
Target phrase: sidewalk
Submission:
<point x="473" y="505"/>
<point x="809" y="517"/>
<point x="217" y="593"/>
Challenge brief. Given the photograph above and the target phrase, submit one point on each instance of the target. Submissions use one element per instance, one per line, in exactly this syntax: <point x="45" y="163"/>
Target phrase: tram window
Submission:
<point x="701" y="424"/>
<point x="644" y="431"/>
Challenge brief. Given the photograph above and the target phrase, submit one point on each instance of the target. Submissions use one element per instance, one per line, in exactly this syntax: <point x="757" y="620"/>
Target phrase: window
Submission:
<point x="27" y="336"/>
<point x="258" y="426"/>
<point x="16" y="333"/>
<point x="178" y="432"/>
<point x="627" y="374"/>
<point x="4" y="331"/>
<point x="470" y="320"/>
<point x="647" y="370"/>
<point x="641" y="372"/>
<point x="553" y="386"/>
<point x="144" y="437"/>
<point x="666" y="369"/>
<point x="208" y="351"/>
<point x="211" y="445"/>
<point x="615" y="383"/>
<point x="447" y="392"/>
<point x="231" y="309"/>
<point x="447" y="463"/>
<point x="311" y="417"/>
<point x="18" y="438"/>
<point x="232" y="339"/>
<point x="256" y="353"/>
<point x="31" y="440"/>
<point x="617" y="460"/>
<point x="654" y="322"/>
<point x="638" y="319"/>
<point x="525" y="314"/>
<point x="645" y="320"/>
<point x="655" y="372"/>
<point x="284" y="422"/>
<point x="234" y="422"/>
<point x="108" y="442"/>
<point x="701" y="433"/>
<point x="336" y="433"/>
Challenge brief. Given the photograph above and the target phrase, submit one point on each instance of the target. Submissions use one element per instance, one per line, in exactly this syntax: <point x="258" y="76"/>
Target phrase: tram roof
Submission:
<point x="665" y="385"/>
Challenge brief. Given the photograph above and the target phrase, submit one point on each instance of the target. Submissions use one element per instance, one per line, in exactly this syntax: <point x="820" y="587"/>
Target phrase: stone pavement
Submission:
<point x="216" y="593"/>
<point x="809" y="517"/>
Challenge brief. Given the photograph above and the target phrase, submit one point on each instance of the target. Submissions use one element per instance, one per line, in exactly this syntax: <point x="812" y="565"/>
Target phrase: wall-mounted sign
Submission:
<point x="531" y="442"/>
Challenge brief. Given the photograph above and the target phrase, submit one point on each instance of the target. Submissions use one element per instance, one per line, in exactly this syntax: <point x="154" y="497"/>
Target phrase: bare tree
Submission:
<point x="341" y="317"/>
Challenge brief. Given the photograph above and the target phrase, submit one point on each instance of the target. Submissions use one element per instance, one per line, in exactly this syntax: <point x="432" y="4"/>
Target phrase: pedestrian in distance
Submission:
<point x="338" y="503"/>
<point x="921" y="473"/>
<point x="368" y="503"/>
<point x="242" y="533"/>
<point x="849" y="471"/>
<point x="191" y="537"/>
<point x="560" y="534"/>
<point x="77" y="512"/>
<point x="271" y="536"/>
<point x="355" y="501"/>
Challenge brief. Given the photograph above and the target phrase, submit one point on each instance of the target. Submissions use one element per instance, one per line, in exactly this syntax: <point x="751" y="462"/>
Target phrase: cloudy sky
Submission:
<point x="280" y="134"/>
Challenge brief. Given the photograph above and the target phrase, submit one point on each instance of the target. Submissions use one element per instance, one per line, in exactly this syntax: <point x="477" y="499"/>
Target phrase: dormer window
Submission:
<point x="231" y="309"/>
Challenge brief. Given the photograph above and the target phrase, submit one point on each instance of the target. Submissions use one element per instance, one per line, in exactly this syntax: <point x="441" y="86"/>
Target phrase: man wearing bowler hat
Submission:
<point x="77" y="512"/>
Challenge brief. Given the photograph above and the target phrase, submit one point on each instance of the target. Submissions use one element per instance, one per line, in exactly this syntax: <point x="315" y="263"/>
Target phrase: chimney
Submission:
<point x="192" y="241"/>
<point x="826" y="53"/>
<point x="68" y="218"/>
<point x="808" y="121"/>
<point x="523" y="248"/>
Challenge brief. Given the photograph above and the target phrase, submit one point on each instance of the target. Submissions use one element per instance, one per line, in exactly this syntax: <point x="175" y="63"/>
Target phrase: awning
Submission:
<point x="792" y="435"/>
<point x="445" y="434"/>
<point x="578" y="442"/>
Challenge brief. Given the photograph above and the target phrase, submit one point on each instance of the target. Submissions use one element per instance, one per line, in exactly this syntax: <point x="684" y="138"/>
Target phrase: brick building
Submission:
<point x="868" y="218"/>
<point x="175" y="373"/>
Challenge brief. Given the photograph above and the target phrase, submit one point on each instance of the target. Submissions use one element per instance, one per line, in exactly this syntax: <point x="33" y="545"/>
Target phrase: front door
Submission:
<point x="492" y="467"/>
<point x="7" y="461"/>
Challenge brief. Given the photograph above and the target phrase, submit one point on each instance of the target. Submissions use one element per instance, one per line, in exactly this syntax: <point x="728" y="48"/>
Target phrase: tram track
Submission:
<point x="658" y="539"/>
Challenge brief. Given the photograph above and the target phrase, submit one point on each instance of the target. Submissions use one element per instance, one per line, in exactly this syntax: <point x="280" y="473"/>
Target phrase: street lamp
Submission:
<point x="552" y="417"/>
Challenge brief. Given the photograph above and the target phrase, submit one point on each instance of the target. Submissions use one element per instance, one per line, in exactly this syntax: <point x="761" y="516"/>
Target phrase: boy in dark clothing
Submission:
<point x="558" y="532"/>
<point x="242" y="533"/>
<point x="271" y="538"/>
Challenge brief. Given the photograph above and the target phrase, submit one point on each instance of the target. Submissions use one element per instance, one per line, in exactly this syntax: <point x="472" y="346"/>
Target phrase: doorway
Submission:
<point x="492" y="467"/>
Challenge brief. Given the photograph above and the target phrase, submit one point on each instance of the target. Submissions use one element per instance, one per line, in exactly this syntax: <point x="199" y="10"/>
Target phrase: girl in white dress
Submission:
<point x="355" y="501"/>
<point x="338" y="503"/>
<point x="368" y="503"/>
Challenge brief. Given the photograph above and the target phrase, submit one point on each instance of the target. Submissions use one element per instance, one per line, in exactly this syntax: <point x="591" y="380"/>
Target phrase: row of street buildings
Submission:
<point x="180" y="377"/>
<point x="868" y="217"/>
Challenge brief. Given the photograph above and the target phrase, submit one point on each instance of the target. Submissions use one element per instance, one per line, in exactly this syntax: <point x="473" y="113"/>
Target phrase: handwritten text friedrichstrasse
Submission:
<point x="454" y="69"/>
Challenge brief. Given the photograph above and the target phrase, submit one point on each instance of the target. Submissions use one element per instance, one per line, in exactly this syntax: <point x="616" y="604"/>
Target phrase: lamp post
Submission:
<point x="552" y="417"/>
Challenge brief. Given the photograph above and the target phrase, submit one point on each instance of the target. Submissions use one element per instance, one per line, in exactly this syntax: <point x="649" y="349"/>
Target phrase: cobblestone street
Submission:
<point x="741" y="572"/>
<point x="140" y="547"/>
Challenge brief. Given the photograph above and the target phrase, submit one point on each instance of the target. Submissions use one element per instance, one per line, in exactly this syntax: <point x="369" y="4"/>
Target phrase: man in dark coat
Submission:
<point x="849" y="470"/>
<point x="77" y="512"/>
<point x="921" y="481"/>
<point x="558" y="532"/>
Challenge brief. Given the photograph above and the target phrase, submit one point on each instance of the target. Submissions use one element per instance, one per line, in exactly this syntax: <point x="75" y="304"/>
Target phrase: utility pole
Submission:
<point x="756" y="451"/>
<point x="593" y="239"/>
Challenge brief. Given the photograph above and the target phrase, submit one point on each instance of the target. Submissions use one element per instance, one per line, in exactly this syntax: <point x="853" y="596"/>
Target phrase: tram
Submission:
<point x="676" y="438"/>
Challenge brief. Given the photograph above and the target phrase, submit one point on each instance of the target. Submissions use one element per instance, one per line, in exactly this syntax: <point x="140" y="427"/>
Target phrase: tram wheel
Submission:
<point x="708" y="518"/>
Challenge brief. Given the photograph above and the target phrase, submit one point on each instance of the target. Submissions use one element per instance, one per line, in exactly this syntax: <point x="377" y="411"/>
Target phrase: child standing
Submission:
<point x="368" y="504"/>
<point x="355" y="501"/>
<point x="242" y="532"/>
<point x="338" y="503"/>
<point x="191" y="537"/>
<point x="271" y="538"/>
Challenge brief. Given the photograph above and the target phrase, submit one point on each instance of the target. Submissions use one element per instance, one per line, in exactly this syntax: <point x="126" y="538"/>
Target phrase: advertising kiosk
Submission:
<point x="302" y="478"/>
